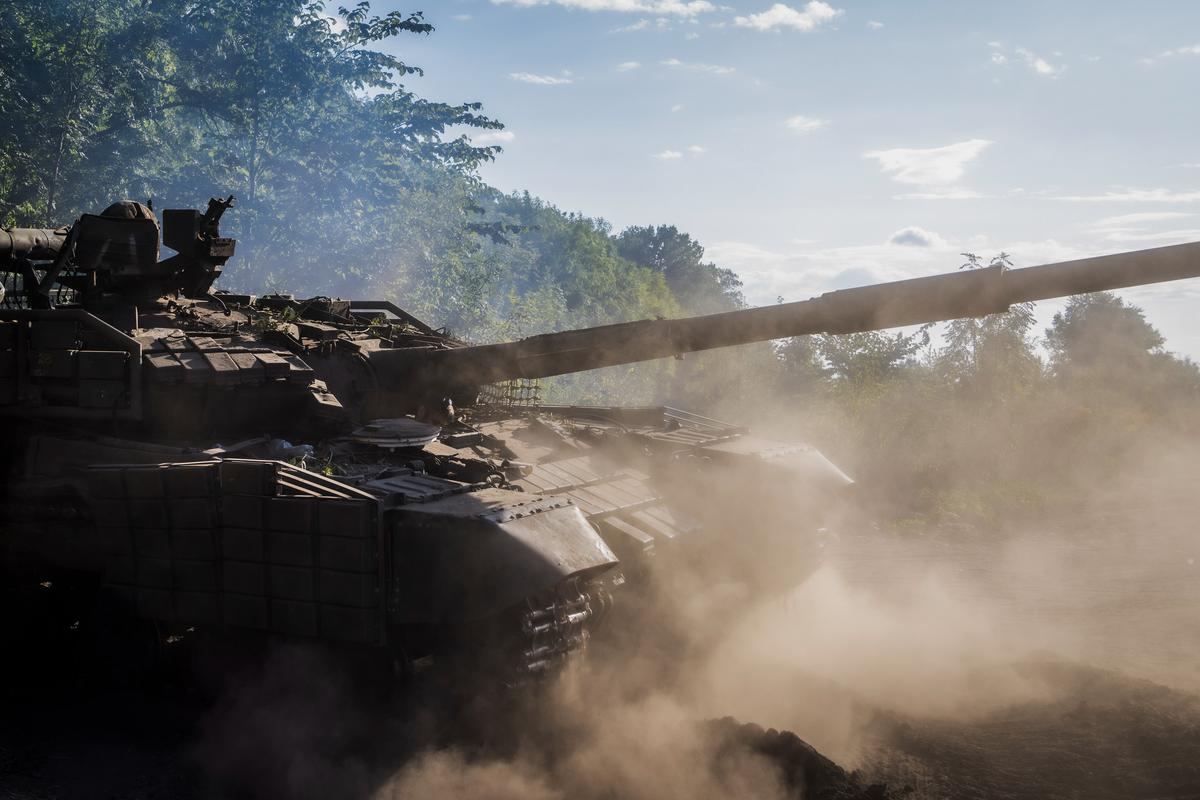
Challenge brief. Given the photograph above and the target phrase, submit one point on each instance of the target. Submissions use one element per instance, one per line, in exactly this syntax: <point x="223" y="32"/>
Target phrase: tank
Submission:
<point x="340" y="471"/>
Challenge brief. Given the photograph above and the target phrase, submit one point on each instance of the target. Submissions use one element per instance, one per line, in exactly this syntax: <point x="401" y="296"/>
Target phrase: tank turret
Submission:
<point x="112" y="257"/>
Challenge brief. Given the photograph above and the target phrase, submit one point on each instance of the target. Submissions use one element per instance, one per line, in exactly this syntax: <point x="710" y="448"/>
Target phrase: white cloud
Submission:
<point x="712" y="69"/>
<point x="803" y="124"/>
<point x="1140" y="218"/>
<point x="461" y="18"/>
<point x="540" y="80"/>
<point x="1129" y="195"/>
<point x="1001" y="56"/>
<point x="693" y="150"/>
<point x="796" y="272"/>
<point x="675" y="109"/>
<point x="1036" y="63"/>
<point x="1157" y="237"/>
<point x="640" y="25"/>
<point x="1136" y="227"/>
<point x="815" y="14"/>
<point x="740" y="252"/>
<point x="691" y="37"/>
<point x="1191" y="50"/>
<point x="929" y="167"/>
<point x="492" y="137"/>
<point x="680" y="8"/>
<point x="874" y="24"/>
<point x="951" y="193"/>
<point x="912" y="236"/>
<point x="627" y="66"/>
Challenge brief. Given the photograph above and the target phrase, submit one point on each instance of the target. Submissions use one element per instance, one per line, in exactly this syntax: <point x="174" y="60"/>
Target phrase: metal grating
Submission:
<point x="517" y="393"/>
<point x="14" y="291"/>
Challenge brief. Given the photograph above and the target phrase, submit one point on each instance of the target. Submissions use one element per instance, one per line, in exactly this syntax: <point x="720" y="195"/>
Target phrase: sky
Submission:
<point x="814" y="145"/>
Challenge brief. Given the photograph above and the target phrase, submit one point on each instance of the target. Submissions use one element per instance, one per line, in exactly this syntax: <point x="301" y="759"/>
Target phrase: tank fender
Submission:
<point x="472" y="555"/>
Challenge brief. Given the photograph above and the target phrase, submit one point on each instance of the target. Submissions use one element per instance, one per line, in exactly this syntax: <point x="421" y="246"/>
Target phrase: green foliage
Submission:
<point x="1097" y="329"/>
<point x="979" y="431"/>
<point x="75" y="91"/>
<point x="992" y="356"/>
<point x="700" y="287"/>
<point x="801" y="366"/>
<point x="578" y="256"/>
<point x="871" y="356"/>
<point x="306" y="121"/>
<point x="1110" y="361"/>
<point x="311" y="127"/>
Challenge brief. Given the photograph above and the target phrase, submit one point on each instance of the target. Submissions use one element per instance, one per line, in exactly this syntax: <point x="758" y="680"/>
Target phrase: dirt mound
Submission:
<point x="1104" y="735"/>
<point x="805" y="772"/>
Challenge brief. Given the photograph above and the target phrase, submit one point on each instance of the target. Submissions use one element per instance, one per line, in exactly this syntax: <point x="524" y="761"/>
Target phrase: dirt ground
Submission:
<point x="1106" y="736"/>
<point x="1110" y="643"/>
<point x="1100" y="616"/>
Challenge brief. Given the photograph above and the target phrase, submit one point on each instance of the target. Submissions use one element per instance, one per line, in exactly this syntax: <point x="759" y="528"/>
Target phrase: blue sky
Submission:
<point x="815" y="145"/>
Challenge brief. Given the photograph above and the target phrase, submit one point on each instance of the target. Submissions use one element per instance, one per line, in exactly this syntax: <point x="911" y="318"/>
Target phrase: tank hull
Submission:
<point x="299" y="468"/>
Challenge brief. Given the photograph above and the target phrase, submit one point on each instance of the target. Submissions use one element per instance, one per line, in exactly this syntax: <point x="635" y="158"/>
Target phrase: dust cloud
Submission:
<point x="448" y="775"/>
<point x="647" y="749"/>
<point x="942" y="629"/>
<point x="823" y="659"/>
<point x="956" y="658"/>
<point x="820" y="661"/>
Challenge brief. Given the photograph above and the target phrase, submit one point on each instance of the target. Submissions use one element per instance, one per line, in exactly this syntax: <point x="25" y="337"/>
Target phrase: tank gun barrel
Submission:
<point x="966" y="293"/>
<point x="41" y="244"/>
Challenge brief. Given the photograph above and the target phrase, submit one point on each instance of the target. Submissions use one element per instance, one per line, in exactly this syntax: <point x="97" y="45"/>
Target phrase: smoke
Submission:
<point x="448" y="776"/>
<point x="653" y="748"/>
<point x="823" y="661"/>
<point x="892" y="626"/>
<point x="945" y="621"/>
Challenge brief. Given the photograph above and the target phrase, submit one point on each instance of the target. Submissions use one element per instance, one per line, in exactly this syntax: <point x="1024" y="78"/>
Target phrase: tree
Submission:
<point x="991" y="354"/>
<point x="311" y="126"/>
<point x="1098" y="329"/>
<point x="75" y="92"/>
<point x="579" y="256"/>
<point x="801" y="367"/>
<point x="299" y="114"/>
<point x="872" y="356"/>
<point x="700" y="287"/>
